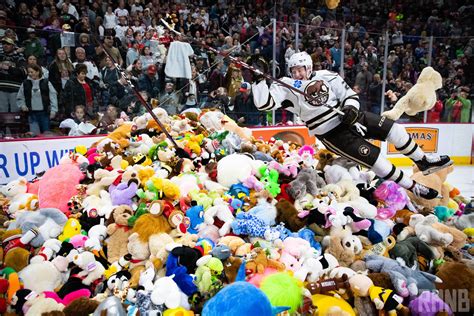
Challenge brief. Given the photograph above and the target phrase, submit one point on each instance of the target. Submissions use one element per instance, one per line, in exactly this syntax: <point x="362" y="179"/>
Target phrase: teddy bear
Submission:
<point x="140" y="252"/>
<point x="435" y="181"/>
<point x="421" y="97"/>
<point x="456" y="276"/>
<point x="45" y="275"/>
<point x="102" y="179"/>
<point x="236" y="244"/>
<point x="288" y="214"/>
<point x="118" y="232"/>
<point x="410" y="249"/>
<point x="92" y="270"/>
<point x="20" y="200"/>
<point x="423" y="228"/>
<point x="259" y="261"/>
<point x="119" y="136"/>
<point x="343" y="246"/>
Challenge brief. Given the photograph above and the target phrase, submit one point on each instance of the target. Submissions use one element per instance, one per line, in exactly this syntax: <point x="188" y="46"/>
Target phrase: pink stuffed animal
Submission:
<point x="58" y="185"/>
<point x="391" y="198"/>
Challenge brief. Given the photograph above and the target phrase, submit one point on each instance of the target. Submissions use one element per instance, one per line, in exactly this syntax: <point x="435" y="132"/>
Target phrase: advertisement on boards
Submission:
<point x="26" y="158"/>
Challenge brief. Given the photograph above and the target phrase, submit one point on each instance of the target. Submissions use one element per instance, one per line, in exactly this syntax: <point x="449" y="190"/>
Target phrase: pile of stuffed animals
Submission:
<point x="228" y="225"/>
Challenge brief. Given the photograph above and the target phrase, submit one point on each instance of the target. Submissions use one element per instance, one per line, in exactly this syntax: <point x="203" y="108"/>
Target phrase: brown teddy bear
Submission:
<point x="288" y="214"/>
<point x="324" y="157"/>
<point x="342" y="245"/>
<point x="435" y="181"/>
<point x="456" y="276"/>
<point x="260" y="261"/>
<point x="118" y="231"/>
<point x="231" y="268"/>
<point x="237" y="245"/>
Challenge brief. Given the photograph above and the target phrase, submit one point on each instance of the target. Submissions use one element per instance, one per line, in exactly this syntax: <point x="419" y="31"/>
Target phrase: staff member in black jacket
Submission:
<point x="38" y="97"/>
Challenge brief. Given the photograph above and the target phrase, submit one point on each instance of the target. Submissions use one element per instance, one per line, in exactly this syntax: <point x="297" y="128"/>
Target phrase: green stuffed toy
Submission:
<point x="269" y="178"/>
<point x="207" y="274"/>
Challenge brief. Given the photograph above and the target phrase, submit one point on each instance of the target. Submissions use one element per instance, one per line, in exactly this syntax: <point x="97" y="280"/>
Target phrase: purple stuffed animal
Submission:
<point x="123" y="193"/>
<point x="392" y="197"/>
<point x="428" y="304"/>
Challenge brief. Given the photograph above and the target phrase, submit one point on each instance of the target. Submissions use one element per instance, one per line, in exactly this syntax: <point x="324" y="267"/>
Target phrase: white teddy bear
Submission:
<point x="91" y="269"/>
<point x="421" y="97"/>
<point x="15" y="191"/>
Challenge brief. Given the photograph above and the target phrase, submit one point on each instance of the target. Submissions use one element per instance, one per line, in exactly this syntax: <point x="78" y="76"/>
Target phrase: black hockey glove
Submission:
<point x="351" y="114"/>
<point x="261" y="65"/>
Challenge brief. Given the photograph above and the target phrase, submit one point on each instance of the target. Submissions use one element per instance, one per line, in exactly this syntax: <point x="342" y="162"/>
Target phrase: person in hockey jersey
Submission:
<point x="345" y="134"/>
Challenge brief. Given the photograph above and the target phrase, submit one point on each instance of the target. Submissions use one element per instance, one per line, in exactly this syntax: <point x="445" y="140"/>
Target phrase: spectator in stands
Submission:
<point x="33" y="45"/>
<point x="111" y="50"/>
<point x="244" y="107"/>
<point x="135" y="70"/>
<point x="132" y="53"/>
<point x="84" y="42"/>
<point x="108" y="122"/>
<point x="146" y="57"/>
<point x="363" y="80"/>
<point x="92" y="71"/>
<point x="218" y="99"/>
<point x="80" y="90"/>
<point x="12" y="75"/>
<point x="109" y="76"/>
<point x="110" y="19"/>
<point x="79" y="114"/>
<point x="233" y="80"/>
<point x="38" y="97"/>
<point x="32" y="60"/>
<point x="149" y="82"/>
<point x="191" y="91"/>
<point x="60" y="71"/>
<point x="458" y="107"/>
<point x="217" y="79"/>
<point x="170" y="99"/>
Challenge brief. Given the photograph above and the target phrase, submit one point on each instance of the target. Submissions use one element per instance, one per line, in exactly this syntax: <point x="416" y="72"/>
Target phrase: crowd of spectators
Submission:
<point x="52" y="66"/>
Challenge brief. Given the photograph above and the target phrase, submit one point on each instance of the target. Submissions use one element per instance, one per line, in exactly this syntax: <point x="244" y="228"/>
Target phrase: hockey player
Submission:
<point x="345" y="134"/>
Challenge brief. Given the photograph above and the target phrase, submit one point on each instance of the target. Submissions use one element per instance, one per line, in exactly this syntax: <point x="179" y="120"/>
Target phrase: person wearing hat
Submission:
<point x="458" y="106"/>
<point x="12" y="74"/>
<point x="244" y="107"/>
<point x="33" y="44"/>
<point x="132" y="53"/>
<point x="149" y="82"/>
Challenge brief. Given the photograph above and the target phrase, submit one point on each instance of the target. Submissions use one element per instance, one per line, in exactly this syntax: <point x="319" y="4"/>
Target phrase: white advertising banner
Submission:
<point x="25" y="158"/>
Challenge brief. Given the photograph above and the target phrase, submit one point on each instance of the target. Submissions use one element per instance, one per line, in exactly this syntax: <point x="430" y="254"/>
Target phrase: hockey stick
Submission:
<point x="249" y="67"/>
<point x="180" y="152"/>
<point x="359" y="127"/>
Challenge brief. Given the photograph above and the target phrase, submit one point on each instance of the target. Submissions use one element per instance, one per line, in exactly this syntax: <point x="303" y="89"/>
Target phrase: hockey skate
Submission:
<point x="432" y="163"/>
<point x="421" y="191"/>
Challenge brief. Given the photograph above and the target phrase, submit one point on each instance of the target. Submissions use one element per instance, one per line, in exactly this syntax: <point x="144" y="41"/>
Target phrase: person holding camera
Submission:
<point x="458" y="107"/>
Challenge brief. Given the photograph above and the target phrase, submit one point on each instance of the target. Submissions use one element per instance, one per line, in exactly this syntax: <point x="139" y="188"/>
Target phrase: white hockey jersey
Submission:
<point x="327" y="89"/>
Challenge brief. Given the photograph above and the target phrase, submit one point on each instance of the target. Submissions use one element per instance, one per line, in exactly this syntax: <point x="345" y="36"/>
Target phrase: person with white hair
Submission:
<point x="330" y="110"/>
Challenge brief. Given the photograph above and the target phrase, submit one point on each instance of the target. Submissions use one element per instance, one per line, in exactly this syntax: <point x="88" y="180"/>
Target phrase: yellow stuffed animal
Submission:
<point x="71" y="228"/>
<point x="421" y="97"/>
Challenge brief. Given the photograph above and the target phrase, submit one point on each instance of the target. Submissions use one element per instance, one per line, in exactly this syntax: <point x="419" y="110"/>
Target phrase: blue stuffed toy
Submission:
<point x="196" y="217"/>
<point x="184" y="281"/>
